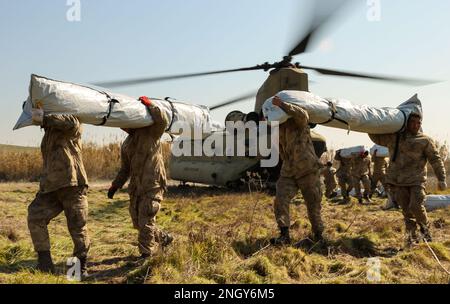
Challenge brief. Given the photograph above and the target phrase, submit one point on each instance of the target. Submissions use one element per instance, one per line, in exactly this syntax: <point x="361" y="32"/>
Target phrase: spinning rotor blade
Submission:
<point x="130" y="82"/>
<point x="320" y="18"/>
<point x="404" y="80"/>
<point x="232" y="101"/>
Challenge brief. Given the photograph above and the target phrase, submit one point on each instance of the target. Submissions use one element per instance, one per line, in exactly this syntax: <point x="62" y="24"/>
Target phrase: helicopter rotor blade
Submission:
<point x="319" y="20"/>
<point x="404" y="80"/>
<point x="136" y="81"/>
<point x="232" y="101"/>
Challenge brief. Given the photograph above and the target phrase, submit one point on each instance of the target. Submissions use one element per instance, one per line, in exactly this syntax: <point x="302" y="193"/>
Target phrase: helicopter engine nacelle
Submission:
<point x="280" y="80"/>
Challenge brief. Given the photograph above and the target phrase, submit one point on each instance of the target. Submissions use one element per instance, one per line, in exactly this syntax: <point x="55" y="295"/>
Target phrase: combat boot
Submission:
<point x="346" y="200"/>
<point x="283" y="239"/>
<point x="166" y="239"/>
<point x="426" y="235"/>
<point x="83" y="268"/>
<point x="45" y="262"/>
<point x="411" y="238"/>
<point x="366" y="198"/>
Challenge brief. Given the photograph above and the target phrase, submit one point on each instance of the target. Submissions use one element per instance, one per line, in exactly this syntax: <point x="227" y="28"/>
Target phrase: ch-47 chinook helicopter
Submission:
<point x="283" y="75"/>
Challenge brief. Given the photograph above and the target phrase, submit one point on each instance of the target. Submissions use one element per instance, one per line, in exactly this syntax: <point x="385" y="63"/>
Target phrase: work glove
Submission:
<point x="37" y="115"/>
<point x="276" y="101"/>
<point x="442" y="186"/>
<point x="112" y="190"/>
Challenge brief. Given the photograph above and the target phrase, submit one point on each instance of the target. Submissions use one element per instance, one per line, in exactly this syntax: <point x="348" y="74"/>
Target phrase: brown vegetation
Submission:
<point x="24" y="164"/>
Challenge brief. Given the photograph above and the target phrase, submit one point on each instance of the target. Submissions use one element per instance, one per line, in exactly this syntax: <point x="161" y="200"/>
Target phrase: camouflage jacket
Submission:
<point x="296" y="147"/>
<point x="329" y="174"/>
<point x="360" y="166"/>
<point x="409" y="169"/>
<point x="380" y="165"/>
<point x="142" y="159"/>
<point x="61" y="153"/>
<point x="345" y="166"/>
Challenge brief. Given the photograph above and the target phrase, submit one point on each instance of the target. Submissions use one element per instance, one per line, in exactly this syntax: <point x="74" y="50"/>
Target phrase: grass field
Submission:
<point x="218" y="239"/>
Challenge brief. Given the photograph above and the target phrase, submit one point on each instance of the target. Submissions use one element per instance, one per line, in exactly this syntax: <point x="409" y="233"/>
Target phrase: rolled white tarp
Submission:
<point x="97" y="107"/>
<point x="341" y="113"/>
<point x="381" y="151"/>
<point x="433" y="202"/>
<point x="352" y="151"/>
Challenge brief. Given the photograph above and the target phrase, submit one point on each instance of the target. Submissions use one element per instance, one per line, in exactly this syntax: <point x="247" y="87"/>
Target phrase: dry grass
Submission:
<point x="24" y="164"/>
<point x="219" y="237"/>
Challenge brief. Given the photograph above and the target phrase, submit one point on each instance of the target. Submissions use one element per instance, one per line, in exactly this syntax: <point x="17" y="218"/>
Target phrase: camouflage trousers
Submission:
<point x="143" y="210"/>
<point x="346" y="184"/>
<point x="378" y="178"/>
<point x="47" y="206"/>
<point x="411" y="200"/>
<point x="287" y="188"/>
<point x="357" y="185"/>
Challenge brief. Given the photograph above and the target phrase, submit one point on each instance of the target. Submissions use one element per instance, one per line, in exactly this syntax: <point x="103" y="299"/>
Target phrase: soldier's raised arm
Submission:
<point x="161" y="122"/>
<point x="436" y="162"/>
<point x="63" y="122"/>
<point x="299" y="115"/>
<point x="385" y="140"/>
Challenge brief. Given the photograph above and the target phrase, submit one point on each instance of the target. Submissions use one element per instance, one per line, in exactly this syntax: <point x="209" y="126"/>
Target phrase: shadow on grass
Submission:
<point x="198" y="191"/>
<point x="118" y="273"/>
<point x="360" y="247"/>
<point x="112" y="208"/>
<point x="248" y="247"/>
<point x="17" y="267"/>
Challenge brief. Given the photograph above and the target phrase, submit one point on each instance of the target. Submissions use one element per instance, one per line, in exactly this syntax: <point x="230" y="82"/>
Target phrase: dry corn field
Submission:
<point x="220" y="236"/>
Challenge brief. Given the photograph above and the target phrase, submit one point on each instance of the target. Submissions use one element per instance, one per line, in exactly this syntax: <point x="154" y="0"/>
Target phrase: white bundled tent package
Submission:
<point x="352" y="151"/>
<point x="434" y="202"/>
<point x="341" y="113"/>
<point x="381" y="151"/>
<point x="96" y="107"/>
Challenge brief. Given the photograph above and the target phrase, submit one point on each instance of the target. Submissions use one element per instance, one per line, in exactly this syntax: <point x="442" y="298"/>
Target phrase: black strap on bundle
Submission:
<point x="111" y="102"/>
<point x="333" y="116"/>
<point x="173" y="112"/>
<point x="397" y="138"/>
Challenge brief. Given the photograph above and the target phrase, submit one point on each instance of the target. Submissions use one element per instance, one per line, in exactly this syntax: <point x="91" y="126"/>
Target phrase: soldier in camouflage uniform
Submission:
<point x="329" y="174"/>
<point x="380" y="165"/>
<point x="63" y="187"/>
<point x="407" y="173"/>
<point x="360" y="174"/>
<point x="300" y="170"/>
<point x="142" y="161"/>
<point x="343" y="175"/>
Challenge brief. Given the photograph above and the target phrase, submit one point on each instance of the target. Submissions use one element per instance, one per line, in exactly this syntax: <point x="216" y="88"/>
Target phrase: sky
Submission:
<point x="117" y="39"/>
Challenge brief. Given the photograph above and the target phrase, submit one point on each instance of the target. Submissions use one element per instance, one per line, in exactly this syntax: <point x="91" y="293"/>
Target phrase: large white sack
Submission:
<point x="433" y="202"/>
<point x="341" y="113"/>
<point x="381" y="151"/>
<point x="352" y="151"/>
<point x="92" y="106"/>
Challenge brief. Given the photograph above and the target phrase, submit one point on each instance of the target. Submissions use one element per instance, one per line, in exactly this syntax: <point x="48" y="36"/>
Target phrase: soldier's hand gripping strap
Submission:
<point x="145" y="101"/>
<point x="111" y="102"/>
